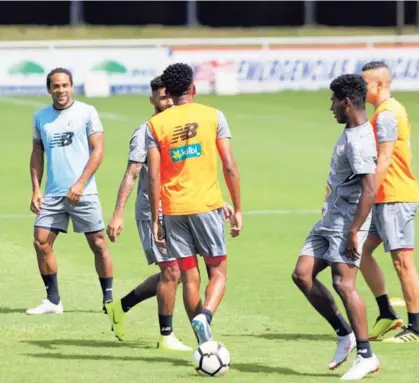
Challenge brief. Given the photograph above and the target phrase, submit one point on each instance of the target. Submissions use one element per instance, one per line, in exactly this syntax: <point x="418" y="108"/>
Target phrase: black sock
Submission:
<point x="340" y="326"/>
<point x="413" y="321"/>
<point x="385" y="308"/>
<point x="165" y="324"/>
<point x="51" y="285"/>
<point x="363" y="348"/>
<point x="208" y="314"/>
<point x="106" y="285"/>
<point x="130" y="300"/>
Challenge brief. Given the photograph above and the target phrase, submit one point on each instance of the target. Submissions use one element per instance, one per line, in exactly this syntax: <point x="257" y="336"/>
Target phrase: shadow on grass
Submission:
<point x="241" y="367"/>
<point x="53" y="344"/>
<point x="287" y="337"/>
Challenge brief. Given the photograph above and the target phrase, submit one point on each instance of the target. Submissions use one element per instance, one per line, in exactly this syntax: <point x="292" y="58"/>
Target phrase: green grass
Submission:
<point x="25" y="32"/>
<point x="283" y="144"/>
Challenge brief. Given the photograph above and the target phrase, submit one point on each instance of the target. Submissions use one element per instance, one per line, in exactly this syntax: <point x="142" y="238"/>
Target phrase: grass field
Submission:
<point x="26" y="32"/>
<point x="283" y="143"/>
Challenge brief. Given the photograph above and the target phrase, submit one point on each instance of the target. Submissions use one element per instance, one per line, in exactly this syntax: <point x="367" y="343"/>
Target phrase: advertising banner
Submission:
<point x="129" y="70"/>
<point x="273" y="70"/>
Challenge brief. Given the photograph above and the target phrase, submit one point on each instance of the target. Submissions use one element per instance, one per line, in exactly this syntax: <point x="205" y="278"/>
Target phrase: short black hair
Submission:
<point x="374" y="65"/>
<point x="352" y="86"/>
<point x="59" y="70"/>
<point x="177" y="78"/>
<point x="156" y="83"/>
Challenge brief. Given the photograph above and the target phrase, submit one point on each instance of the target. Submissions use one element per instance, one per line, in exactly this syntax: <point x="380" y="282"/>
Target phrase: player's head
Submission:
<point x="159" y="99"/>
<point x="178" y="81"/>
<point x="348" y="96"/>
<point x="60" y="86"/>
<point x="377" y="76"/>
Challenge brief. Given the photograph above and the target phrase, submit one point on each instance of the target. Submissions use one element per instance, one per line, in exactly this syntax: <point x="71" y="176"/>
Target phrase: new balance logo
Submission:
<point x="62" y="139"/>
<point x="183" y="133"/>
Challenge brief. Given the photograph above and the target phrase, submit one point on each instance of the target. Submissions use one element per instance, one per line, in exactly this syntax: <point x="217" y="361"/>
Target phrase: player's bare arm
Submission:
<point x="116" y="224"/>
<point x="385" y="150"/>
<point x="363" y="209"/>
<point x="232" y="178"/>
<point x="37" y="170"/>
<point x="96" y="143"/>
<point x="153" y="156"/>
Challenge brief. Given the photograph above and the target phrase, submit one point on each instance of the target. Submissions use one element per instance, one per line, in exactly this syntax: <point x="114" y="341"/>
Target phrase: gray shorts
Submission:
<point x="154" y="254"/>
<point x="330" y="246"/>
<point x="86" y="216"/>
<point x="203" y="234"/>
<point x="394" y="224"/>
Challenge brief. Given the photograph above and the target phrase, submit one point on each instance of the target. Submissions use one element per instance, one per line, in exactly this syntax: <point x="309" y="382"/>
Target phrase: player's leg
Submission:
<point x="181" y="245"/>
<point x="170" y="277"/>
<point x="400" y="234"/>
<point x="388" y="319"/>
<point x="51" y="220"/>
<point x="344" y="271"/>
<point x="209" y="236"/>
<point x="308" y="266"/>
<point x="86" y="217"/>
<point x="310" y="263"/>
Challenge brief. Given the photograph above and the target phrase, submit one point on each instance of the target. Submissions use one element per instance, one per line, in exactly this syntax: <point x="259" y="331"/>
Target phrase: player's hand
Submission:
<point x="36" y="202"/>
<point x="228" y="212"/>
<point x="159" y="234"/>
<point x="352" y="244"/>
<point x="115" y="227"/>
<point x="74" y="194"/>
<point x="235" y="224"/>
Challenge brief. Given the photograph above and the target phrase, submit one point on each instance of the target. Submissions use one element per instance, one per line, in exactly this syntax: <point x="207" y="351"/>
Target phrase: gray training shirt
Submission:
<point x="386" y="127"/>
<point x="354" y="154"/>
<point x="138" y="153"/>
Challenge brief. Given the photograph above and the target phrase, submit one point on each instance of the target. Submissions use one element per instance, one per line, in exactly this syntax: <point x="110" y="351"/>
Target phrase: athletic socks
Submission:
<point x="165" y="324"/>
<point x="208" y="314"/>
<point x="106" y="285"/>
<point x="340" y="326"/>
<point x="363" y="348"/>
<point x="51" y="286"/>
<point x="413" y="322"/>
<point x="386" y="310"/>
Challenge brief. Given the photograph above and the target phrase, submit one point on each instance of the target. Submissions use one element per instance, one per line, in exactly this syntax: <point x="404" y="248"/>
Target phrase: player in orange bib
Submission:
<point x="183" y="143"/>
<point x="395" y="207"/>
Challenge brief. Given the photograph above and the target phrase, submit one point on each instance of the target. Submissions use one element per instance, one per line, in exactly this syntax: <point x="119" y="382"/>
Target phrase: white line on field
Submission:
<point x="37" y="104"/>
<point x="251" y="212"/>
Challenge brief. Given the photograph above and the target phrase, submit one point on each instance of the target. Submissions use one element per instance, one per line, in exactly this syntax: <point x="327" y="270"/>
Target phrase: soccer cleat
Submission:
<point x="362" y="367"/>
<point x="117" y="317"/>
<point x="46" y="307"/>
<point x="171" y="343"/>
<point x="345" y="345"/>
<point x="407" y="335"/>
<point x="383" y="326"/>
<point x="201" y="329"/>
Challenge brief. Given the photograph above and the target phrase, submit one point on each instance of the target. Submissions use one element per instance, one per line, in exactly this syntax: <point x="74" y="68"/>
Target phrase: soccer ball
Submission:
<point x="211" y="359"/>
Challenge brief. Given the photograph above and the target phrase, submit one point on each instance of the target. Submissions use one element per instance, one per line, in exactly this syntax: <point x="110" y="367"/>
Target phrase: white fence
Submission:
<point x="244" y="65"/>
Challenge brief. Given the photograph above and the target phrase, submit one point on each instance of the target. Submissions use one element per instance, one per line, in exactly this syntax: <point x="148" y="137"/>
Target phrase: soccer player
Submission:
<point x="164" y="284"/>
<point x="337" y="239"/>
<point x="70" y="134"/>
<point x="182" y="143"/>
<point x="395" y="207"/>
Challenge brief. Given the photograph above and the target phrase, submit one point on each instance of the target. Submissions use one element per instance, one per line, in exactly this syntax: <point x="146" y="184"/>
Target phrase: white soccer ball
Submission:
<point x="211" y="359"/>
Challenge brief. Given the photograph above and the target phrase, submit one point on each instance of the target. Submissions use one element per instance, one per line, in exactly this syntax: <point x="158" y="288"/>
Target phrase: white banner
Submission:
<point x="229" y="70"/>
<point x="129" y="70"/>
<point x="273" y="70"/>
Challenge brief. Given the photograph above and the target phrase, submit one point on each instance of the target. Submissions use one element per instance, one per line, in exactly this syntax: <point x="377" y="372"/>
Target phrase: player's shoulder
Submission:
<point x="46" y="110"/>
<point x="393" y="106"/>
<point x="139" y="130"/>
<point x="81" y="106"/>
<point x="362" y="135"/>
